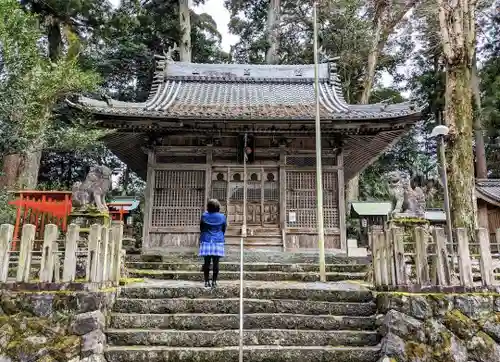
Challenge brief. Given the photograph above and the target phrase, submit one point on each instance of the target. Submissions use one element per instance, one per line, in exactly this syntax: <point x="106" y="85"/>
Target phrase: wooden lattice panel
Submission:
<point x="301" y="199"/>
<point x="178" y="198"/>
<point x="219" y="190"/>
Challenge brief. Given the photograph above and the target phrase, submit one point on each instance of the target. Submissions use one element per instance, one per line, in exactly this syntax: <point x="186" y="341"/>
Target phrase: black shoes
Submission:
<point x="214" y="284"/>
<point x="207" y="284"/>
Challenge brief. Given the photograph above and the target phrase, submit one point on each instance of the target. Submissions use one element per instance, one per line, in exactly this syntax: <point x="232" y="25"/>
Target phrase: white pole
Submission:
<point x="319" y="178"/>
<point x="243" y="235"/>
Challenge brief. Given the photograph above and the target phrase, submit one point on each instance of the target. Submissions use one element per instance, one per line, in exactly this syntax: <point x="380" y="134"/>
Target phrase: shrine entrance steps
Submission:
<point x="286" y="319"/>
<point x="259" y="266"/>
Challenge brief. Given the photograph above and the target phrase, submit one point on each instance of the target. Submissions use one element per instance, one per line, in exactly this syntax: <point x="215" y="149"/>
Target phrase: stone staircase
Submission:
<point x="172" y="317"/>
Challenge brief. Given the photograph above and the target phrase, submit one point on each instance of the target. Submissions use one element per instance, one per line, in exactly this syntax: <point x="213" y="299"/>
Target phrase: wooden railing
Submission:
<point x="426" y="260"/>
<point x="101" y="254"/>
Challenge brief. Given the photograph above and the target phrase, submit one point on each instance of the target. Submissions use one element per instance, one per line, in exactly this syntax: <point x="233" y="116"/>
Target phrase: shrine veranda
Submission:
<point x="185" y="141"/>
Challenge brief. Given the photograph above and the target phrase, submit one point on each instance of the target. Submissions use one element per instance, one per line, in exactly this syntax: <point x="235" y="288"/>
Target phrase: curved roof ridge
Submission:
<point x="166" y="67"/>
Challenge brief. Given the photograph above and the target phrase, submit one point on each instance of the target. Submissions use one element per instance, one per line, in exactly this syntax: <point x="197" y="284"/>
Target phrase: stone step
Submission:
<point x="251" y="354"/>
<point x="232" y="305"/>
<point x="294" y="291"/>
<point x="252" y="256"/>
<point x="226" y="338"/>
<point x="251" y="275"/>
<point x="205" y="321"/>
<point x="254" y="267"/>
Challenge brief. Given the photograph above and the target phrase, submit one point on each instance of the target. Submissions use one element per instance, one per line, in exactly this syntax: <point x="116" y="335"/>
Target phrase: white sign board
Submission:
<point x="292" y="217"/>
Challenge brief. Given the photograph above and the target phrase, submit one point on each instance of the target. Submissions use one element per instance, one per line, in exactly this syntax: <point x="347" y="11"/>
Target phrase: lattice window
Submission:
<point x="219" y="190"/>
<point x="254" y="191"/>
<point x="180" y="159"/>
<point x="309" y="161"/>
<point x="178" y="198"/>
<point x="301" y="199"/>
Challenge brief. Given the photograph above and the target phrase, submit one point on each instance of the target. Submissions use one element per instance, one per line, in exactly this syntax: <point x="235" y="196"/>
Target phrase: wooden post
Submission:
<point x="56" y="262"/>
<point x="6" y="233"/>
<point x="103" y="257"/>
<point x="391" y="259"/>
<point x="109" y="267"/>
<point x="26" y="248"/>
<point x="421" y="262"/>
<point x="93" y="252"/>
<point x="47" y="266"/>
<point x="117" y="233"/>
<point x="442" y="262"/>
<point x="69" y="271"/>
<point x="399" y="255"/>
<point x="486" y="262"/>
<point x="464" y="262"/>
<point x="382" y="240"/>
<point x="377" y="272"/>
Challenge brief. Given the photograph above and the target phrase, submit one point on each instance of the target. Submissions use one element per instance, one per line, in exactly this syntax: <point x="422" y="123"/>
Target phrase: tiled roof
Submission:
<point x="359" y="209"/>
<point x="488" y="190"/>
<point x="239" y="91"/>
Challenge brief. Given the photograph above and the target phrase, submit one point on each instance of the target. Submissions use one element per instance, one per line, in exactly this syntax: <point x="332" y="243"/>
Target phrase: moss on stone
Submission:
<point x="415" y="351"/>
<point x="440" y="295"/>
<point x="443" y="350"/>
<point x="127" y="281"/>
<point x="460" y="324"/>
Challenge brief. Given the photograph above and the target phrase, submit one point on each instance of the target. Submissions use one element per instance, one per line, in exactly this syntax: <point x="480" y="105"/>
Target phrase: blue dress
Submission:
<point x="212" y="227"/>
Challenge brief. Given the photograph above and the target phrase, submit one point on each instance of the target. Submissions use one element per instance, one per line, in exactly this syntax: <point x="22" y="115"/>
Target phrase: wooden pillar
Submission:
<point x="208" y="174"/>
<point x="282" y="193"/>
<point x="341" y="202"/>
<point x="148" y="204"/>
<point x="262" y="176"/>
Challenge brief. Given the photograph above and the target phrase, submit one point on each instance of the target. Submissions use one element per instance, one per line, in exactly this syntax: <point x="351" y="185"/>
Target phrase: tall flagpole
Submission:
<point x="243" y="236"/>
<point x="319" y="178"/>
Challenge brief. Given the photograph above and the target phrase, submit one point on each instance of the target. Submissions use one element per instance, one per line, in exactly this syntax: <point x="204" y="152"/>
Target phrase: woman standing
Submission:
<point x="213" y="228"/>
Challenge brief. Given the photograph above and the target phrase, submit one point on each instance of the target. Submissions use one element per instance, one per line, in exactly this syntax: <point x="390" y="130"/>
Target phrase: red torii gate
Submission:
<point x="40" y="208"/>
<point x="49" y="207"/>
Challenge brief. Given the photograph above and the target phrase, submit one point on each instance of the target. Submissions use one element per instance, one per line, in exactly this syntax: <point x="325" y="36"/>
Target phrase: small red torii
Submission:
<point x="50" y="207"/>
<point x="40" y="208"/>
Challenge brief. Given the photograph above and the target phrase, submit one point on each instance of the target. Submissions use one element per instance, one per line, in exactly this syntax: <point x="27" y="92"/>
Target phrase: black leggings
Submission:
<point x="206" y="267"/>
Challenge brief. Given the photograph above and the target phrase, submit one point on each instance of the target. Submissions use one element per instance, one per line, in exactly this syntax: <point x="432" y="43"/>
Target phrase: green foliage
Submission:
<point x="490" y="89"/>
<point x="7" y="212"/>
<point x="412" y="155"/>
<point x="31" y="84"/>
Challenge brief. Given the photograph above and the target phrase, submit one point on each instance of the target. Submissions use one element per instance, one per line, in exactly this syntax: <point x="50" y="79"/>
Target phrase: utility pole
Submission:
<point x="319" y="174"/>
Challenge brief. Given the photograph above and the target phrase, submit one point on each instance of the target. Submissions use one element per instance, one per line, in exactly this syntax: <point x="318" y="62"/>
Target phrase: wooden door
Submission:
<point x="262" y="196"/>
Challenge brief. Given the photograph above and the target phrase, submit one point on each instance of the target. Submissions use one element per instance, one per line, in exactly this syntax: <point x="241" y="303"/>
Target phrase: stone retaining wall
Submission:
<point x="58" y="325"/>
<point x="440" y="327"/>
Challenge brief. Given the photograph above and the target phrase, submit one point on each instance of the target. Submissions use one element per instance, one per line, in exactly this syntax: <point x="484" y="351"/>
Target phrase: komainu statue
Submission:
<point x="408" y="197"/>
<point x="92" y="191"/>
<point x="397" y="191"/>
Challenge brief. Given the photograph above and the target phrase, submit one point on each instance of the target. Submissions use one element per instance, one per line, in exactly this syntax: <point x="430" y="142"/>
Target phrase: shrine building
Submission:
<point x="186" y="141"/>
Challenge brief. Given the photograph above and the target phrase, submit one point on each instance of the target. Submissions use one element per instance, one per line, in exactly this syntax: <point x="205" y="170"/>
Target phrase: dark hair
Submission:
<point x="213" y="206"/>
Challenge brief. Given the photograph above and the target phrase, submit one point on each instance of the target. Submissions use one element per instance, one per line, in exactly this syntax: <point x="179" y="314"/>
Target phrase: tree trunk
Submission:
<point x="352" y="189"/>
<point x="28" y="176"/>
<point x="10" y="169"/>
<point x="481" y="166"/>
<point x="185" y="24"/>
<point x="273" y="20"/>
<point x="458" y="116"/>
<point x="55" y="40"/>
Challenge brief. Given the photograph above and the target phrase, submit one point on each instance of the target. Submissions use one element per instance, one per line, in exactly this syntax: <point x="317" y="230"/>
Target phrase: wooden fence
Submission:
<point x="426" y="259"/>
<point x="101" y="256"/>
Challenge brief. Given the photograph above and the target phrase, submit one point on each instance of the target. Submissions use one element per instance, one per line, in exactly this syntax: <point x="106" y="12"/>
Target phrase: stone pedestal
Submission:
<point x="353" y="249"/>
<point x="87" y="218"/>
